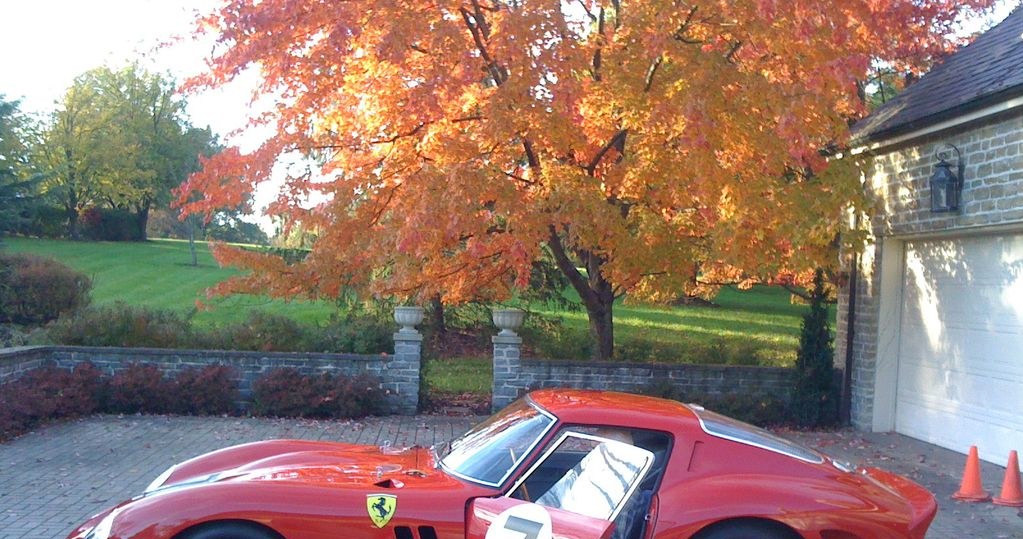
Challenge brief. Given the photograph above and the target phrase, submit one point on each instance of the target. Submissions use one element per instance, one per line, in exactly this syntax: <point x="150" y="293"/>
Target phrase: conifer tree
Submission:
<point x="815" y="397"/>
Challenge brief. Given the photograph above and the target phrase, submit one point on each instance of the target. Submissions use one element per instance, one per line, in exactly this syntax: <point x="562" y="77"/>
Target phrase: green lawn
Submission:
<point x="158" y="273"/>
<point x="758" y="326"/>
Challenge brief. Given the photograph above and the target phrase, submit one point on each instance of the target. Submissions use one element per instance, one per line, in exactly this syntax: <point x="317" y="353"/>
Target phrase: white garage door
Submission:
<point x="960" y="378"/>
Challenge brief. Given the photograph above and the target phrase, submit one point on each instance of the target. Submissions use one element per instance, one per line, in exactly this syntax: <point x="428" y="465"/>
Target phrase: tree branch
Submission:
<point x="680" y="33"/>
<point x="582" y="4"/>
<point x="567" y="267"/>
<point x="518" y="178"/>
<point x="617" y="141"/>
<point x="595" y="71"/>
<point x="473" y="24"/>
<point x="650" y="73"/>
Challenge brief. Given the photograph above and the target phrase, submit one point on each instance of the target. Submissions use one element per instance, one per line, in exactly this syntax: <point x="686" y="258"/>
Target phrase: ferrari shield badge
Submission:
<point x="381" y="508"/>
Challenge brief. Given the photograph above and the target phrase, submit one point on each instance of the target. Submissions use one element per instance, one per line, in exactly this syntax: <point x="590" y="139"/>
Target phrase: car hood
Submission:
<point x="369" y="468"/>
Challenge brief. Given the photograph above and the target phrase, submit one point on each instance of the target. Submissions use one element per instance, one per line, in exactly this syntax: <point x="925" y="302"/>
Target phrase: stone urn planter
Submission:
<point x="508" y="320"/>
<point x="408" y="317"/>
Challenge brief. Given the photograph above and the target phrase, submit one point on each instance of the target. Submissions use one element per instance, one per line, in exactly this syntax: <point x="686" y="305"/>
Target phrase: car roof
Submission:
<point x="583" y="406"/>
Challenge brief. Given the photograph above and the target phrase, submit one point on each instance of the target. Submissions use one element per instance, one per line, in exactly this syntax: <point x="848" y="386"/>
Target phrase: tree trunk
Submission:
<point x="191" y="240"/>
<point x="602" y="328"/>
<point x="597" y="294"/>
<point x="142" y="220"/>
<point x="72" y="224"/>
<point x="440" y="328"/>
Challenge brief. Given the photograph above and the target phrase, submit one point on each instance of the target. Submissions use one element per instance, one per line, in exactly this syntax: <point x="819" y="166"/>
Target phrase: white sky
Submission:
<point x="45" y="44"/>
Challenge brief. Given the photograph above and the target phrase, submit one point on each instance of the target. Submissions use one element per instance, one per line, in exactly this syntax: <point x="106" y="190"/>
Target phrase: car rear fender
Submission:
<point x="809" y="506"/>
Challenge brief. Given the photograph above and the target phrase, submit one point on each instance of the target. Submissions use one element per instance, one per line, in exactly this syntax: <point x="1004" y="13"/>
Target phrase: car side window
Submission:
<point x="587" y="475"/>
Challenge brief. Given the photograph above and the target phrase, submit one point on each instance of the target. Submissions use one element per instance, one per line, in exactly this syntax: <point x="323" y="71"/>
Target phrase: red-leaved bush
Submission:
<point x="35" y="289"/>
<point x="285" y="392"/>
<point x="47" y="393"/>
<point x="52" y="393"/>
<point x="140" y="388"/>
<point x="210" y="390"/>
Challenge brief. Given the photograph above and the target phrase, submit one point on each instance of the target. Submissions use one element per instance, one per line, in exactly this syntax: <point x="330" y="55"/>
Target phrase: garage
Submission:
<point x="960" y="344"/>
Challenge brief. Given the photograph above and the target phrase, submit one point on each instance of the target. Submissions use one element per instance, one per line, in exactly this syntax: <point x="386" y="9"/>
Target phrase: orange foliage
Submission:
<point x="653" y="141"/>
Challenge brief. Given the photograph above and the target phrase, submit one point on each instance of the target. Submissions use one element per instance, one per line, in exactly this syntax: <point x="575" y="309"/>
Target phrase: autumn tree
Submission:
<point x="652" y="146"/>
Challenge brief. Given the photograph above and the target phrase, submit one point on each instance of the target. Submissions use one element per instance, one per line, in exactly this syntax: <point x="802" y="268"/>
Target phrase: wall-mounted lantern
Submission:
<point x="946" y="185"/>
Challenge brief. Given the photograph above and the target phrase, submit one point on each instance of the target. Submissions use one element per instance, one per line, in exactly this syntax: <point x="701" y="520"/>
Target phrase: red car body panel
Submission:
<point x="314" y="490"/>
<point x="565" y="525"/>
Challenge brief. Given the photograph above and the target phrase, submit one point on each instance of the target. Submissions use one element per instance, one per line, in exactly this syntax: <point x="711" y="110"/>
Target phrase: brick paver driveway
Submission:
<point x="52" y="479"/>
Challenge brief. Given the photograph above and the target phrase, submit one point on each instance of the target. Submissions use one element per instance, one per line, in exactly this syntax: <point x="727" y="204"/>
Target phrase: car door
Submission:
<point x="580" y="485"/>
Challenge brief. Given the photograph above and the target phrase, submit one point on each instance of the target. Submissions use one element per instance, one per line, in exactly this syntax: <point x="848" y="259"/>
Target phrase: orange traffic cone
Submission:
<point x="1011" y="494"/>
<point x="971" y="490"/>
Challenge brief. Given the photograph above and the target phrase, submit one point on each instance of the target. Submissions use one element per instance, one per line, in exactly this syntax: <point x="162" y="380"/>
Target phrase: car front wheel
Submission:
<point x="230" y="530"/>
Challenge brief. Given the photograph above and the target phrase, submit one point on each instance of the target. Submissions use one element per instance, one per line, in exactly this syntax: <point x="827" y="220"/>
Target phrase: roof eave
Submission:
<point x="982" y="107"/>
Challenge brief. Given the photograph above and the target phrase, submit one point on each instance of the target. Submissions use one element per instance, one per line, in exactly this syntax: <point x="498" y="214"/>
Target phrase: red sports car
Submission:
<point x="557" y="463"/>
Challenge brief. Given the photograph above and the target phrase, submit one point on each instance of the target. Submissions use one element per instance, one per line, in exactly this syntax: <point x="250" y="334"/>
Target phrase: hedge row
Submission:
<point x="52" y="393"/>
<point x="129" y="326"/>
<point x="756" y="409"/>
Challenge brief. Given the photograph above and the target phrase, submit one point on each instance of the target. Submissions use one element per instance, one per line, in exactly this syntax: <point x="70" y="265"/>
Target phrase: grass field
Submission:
<point x="158" y="274"/>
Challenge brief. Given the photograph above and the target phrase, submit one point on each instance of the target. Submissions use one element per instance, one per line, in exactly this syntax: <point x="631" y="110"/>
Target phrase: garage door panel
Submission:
<point x="960" y="375"/>
<point x="963" y="389"/>
<point x="991" y="355"/>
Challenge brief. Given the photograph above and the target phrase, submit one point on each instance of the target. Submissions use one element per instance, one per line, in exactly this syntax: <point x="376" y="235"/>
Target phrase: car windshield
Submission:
<point x="490" y="451"/>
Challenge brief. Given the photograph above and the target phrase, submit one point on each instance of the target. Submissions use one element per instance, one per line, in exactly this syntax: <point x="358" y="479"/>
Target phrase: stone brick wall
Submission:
<point x="992" y="194"/>
<point x="514" y="376"/>
<point x="897" y="178"/>
<point x="398" y="373"/>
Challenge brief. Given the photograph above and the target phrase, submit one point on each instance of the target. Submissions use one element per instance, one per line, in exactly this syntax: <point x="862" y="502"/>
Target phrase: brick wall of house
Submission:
<point x="898" y="181"/>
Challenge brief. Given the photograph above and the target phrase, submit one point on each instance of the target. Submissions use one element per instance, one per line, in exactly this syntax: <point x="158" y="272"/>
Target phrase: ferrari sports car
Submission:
<point x="557" y="463"/>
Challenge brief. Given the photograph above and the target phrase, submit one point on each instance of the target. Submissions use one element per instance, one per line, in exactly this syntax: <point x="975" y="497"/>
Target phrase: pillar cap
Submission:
<point x="506" y="339"/>
<point x="408" y="336"/>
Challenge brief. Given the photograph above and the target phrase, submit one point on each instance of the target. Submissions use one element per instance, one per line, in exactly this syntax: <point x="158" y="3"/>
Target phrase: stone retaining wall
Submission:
<point x="398" y="373"/>
<point x="514" y="376"/>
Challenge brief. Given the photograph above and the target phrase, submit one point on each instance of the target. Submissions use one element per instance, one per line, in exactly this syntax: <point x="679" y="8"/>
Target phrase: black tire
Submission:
<point x="746" y="529"/>
<point x="230" y="530"/>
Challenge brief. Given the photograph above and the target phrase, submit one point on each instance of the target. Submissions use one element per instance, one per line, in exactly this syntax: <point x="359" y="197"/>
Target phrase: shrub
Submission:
<point x="140" y="388"/>
<point x="120" y="324"/>
<point x="210" y="390"/>
<point x="815" y="395"/>
<point x="351" y="396"/>
<point x="35" y="289"/>
<point x="261" y="331"/>
<point x="552" y="342"/>
<point x="110" y="224"/>
<point x="47" y="393"/>
<point x="285" y="392"/>
<point x="45" y="222"/>
<point x="355" y="334"/>
<point x="757" y="409"/>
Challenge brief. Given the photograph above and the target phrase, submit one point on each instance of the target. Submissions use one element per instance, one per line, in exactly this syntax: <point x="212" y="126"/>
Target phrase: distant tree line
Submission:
<point x="105" y="161"/>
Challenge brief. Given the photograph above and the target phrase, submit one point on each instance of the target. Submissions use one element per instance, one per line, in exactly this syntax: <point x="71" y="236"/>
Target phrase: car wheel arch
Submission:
<point x="747" y="527"/>
<point x="229" y="529"/>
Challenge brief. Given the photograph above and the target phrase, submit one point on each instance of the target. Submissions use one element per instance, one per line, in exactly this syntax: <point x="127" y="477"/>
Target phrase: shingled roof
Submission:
<point x="985" y="72"/>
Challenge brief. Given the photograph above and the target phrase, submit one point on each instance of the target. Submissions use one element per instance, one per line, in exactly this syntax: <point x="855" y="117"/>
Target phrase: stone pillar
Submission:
<point x="403" y="372"/>
<point x="507" y="364"/>
<point x="507" y="357"/>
